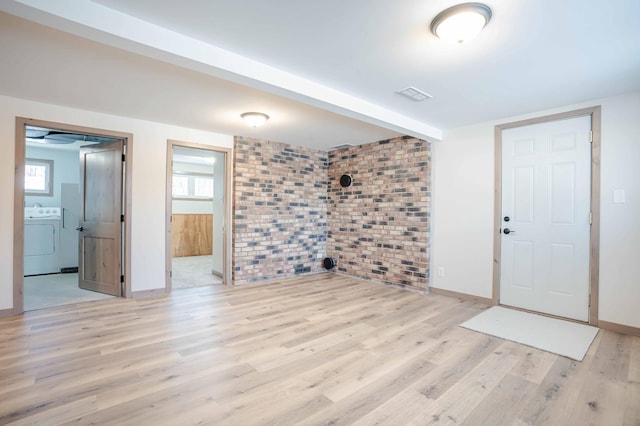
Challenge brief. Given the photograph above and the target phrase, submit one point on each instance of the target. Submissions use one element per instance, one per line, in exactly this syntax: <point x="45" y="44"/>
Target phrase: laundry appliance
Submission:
<point x="41" y="240"/>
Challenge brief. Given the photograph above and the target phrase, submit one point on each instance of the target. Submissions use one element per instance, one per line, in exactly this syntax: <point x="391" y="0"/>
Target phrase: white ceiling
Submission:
<point x="326" y="72"/>
<point x="46" y="65"/>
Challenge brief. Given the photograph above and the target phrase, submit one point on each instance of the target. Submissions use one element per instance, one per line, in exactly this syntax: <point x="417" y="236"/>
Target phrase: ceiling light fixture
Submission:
<point x="461" y="23"/>
<point x="254" y="119"/>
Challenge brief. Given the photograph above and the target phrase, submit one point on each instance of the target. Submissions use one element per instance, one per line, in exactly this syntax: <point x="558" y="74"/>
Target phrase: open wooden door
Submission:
<point x="100" y="241"/>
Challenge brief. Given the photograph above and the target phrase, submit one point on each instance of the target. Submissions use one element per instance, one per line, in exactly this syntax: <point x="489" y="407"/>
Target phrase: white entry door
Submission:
<point x="546" y="197"/>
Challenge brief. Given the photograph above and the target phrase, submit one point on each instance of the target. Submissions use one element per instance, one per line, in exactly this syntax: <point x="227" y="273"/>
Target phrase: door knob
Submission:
<point x="508" y="231"/>
<point x="80" y="229"/>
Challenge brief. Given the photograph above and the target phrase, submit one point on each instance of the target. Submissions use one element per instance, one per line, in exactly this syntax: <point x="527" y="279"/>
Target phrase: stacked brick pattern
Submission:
<point x="280" y="210"/>
<point x="379" y="227"/>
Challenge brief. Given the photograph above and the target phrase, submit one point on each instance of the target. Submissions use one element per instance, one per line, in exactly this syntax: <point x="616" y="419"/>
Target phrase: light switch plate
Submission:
<point x="619" y="196"/>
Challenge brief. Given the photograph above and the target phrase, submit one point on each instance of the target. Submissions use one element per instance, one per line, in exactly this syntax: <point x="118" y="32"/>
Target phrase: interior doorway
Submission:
<point x="61" y="174"/>
<point x="197" y="213"/>
<point x="547" y="215"/>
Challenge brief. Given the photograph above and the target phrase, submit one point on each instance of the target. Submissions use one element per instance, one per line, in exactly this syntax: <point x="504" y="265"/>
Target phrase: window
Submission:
<point x="38" y="177"/>
<point x="203" y="187"/>
<point x="180" y="186"/>
<point x="192" y="186"/>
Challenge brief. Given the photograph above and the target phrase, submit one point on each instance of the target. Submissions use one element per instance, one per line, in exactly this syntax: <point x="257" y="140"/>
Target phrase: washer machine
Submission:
<point x="41" y="240"/>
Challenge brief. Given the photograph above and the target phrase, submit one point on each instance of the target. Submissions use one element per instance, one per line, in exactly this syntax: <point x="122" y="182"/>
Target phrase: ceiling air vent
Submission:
<point x="414" y="94"/>
<point x="346" y="145"/>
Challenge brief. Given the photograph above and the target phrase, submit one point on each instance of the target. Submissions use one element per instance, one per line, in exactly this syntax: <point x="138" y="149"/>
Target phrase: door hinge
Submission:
<point x="121" y="218"/>
<point x="170" y="274"/>
<point x="123" y="158"/>
<point x="590" y="218"/>
<point x="591" y="136"/>
<point x="122" y="279"/>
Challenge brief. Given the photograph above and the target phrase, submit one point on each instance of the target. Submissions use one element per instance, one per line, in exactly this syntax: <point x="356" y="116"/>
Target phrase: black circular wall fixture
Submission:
<point x="329" y="262"/>
<point x="345" y="181"/>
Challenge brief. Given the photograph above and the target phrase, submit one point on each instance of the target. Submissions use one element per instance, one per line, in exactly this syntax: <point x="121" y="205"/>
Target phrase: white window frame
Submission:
<point x="48" y="165"/>
<point x="191" y="186"/>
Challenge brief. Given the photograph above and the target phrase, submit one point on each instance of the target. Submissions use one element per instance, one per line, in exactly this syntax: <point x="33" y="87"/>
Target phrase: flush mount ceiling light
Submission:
<point x="254" y="119"/>
<point x="461" y="23"/>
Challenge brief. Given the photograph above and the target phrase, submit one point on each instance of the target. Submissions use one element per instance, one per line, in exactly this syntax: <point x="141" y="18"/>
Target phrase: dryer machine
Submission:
<point x="41" y="240"/>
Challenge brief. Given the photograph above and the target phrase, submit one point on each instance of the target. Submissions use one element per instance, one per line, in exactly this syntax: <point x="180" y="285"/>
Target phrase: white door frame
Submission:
<point x="594" y="250"/>
<point x="228" y="175"/>
<point x="18" y="200"/>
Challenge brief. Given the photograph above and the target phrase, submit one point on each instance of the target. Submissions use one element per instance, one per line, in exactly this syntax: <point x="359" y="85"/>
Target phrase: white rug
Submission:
<point x="560" y="337"/>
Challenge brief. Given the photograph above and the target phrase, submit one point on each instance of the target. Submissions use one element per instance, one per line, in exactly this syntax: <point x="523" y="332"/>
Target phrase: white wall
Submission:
<point x="149" y="163"/>
<point x="462" y="226"/>
<point x="192" y="207"/>
<point x="463" y="185"/>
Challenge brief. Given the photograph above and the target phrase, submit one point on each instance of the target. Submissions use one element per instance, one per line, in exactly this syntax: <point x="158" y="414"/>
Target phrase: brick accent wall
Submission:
<point x="280" y="210"/>
<point x="379" y="227"/>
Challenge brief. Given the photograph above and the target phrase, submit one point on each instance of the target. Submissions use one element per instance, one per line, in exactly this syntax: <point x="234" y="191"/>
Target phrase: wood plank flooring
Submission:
<point x="316" y="350"/>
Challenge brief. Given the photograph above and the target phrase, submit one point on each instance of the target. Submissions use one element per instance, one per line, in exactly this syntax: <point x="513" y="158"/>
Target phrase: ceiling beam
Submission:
<point x="108" y="26"/>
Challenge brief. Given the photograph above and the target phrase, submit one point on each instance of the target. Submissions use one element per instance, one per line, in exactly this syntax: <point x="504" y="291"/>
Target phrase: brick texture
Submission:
<point x="379" y="227"/>
<point x="280" y="210"/>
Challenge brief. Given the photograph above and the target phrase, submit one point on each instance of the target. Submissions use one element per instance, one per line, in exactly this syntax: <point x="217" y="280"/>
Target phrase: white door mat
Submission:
<point x="560" y="337"/>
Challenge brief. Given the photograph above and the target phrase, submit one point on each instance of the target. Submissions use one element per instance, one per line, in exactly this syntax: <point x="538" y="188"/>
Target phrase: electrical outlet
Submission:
<point x="441" y="271"/>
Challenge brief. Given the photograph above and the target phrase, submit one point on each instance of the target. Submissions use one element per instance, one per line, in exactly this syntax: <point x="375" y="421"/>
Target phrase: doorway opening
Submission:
<point x="70" y="203"/>
<point x="546" y="245"/>
<point x="197" y="214"/>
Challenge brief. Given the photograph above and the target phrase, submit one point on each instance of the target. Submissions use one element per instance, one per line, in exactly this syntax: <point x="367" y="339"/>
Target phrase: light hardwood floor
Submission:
<point x="322" y="349"/>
